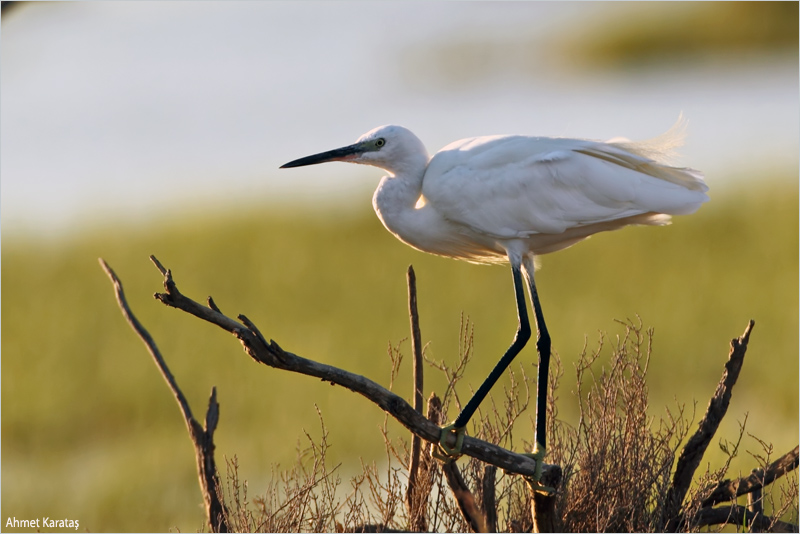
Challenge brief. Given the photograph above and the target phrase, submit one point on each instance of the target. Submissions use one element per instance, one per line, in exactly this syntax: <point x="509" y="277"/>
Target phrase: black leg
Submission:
<point x="543" y="347"/>
<point x="521" y="338"/>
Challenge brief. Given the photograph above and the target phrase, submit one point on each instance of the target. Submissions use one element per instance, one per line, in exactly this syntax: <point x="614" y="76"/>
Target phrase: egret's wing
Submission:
<point x="514" y="186"/>
<point x="631" y="155"/>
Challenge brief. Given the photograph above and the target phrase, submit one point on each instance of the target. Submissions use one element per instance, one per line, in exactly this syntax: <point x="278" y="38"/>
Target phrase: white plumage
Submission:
<point x="504" y="199"/>
<point x="478" y="199"/>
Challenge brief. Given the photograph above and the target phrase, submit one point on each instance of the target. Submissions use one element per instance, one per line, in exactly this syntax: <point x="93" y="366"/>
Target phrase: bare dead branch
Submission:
<point x="416" y="338"/>
<point x="728" y="490"/>
<point x="269" y="353"/>
<point x="253" y="328"/>
<point x="202" y="438"/>
<point x="415" y="502"/>
<point x="212" y="305"/>
<point x="488" y="501"/>
<point x="543" y="507"/>
<point x="695" y="448"/>
<point x="464" y="498"/>
<point x="738" y="515"/>
<point x="145" y="336"/>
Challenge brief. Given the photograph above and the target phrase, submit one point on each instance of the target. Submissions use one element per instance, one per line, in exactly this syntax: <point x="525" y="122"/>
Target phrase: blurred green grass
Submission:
<point x="689" y="32"/>
<point x="91" y="432"/>
<point x="635" y="37"/>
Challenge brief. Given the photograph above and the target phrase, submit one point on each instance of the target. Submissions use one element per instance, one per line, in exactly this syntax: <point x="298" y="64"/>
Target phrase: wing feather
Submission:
<point x="516" y="186"/>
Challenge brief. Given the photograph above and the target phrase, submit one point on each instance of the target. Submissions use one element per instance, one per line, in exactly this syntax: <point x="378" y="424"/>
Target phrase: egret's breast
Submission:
<point x="423" y="228"/>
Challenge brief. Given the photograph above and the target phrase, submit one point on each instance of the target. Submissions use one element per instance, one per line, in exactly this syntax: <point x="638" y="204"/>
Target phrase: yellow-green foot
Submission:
<point x="442" y="451"/>
<point x="534" y="482"/>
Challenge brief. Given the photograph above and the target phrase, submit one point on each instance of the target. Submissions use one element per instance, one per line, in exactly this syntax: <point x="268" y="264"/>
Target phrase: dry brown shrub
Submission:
<point x="617" y="460"/>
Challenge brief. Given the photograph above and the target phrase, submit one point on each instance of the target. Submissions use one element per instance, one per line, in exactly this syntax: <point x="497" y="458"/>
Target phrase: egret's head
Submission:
<point x="393" y="148"/>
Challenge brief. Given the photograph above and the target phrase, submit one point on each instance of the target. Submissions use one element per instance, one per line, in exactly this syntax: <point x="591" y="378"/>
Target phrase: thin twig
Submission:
<point x="202" y="438"/>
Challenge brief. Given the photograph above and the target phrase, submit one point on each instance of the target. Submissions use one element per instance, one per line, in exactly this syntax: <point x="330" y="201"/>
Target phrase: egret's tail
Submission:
<point x="653" y="157"/>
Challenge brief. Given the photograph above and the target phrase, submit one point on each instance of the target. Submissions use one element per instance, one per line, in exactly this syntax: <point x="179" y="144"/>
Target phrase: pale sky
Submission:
<point x="113" y="110"/>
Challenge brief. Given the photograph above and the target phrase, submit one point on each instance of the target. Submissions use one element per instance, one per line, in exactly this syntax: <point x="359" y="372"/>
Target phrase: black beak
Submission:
<point x="338" y="154"/>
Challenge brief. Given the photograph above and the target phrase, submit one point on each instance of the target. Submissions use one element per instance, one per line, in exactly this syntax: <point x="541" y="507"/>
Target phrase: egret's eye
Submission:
<point x="379" y="142"/>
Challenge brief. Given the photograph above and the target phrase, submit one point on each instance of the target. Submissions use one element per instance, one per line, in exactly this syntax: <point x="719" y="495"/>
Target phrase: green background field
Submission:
<point x="90" y="429"/>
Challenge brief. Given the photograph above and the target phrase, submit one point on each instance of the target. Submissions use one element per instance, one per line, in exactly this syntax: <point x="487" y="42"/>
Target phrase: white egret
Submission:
<point x="501" y="199"/>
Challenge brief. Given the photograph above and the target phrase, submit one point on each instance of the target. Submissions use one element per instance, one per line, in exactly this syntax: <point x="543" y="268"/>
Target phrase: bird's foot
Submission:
<point x="534" y="482"/>
<point x="442" y="451"/>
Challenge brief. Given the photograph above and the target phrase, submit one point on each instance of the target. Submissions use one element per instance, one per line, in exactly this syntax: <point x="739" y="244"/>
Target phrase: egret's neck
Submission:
<point x="396" y="198"/>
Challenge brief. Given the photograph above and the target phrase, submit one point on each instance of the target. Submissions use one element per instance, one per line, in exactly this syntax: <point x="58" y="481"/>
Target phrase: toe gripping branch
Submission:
<point x="538" y="455"/>
<point x="442" y="451"/>
<point x="448" y="454"/>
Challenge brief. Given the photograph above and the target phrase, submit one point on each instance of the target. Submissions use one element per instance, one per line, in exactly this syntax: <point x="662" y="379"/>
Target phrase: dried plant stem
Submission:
<point x="416" y="501"/>
<point x="202" y="437"/>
